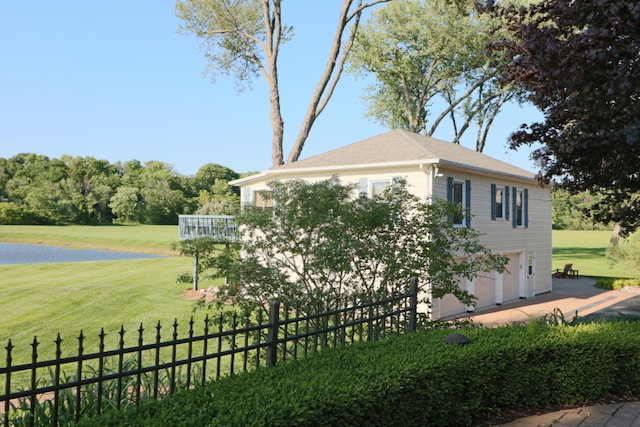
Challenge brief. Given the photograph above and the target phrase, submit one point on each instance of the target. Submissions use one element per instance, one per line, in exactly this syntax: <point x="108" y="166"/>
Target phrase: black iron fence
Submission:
<point x="64" y="389"/>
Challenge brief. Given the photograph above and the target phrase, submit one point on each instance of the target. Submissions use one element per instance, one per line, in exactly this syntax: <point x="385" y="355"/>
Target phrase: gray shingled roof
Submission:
<point x="399" y="146"/>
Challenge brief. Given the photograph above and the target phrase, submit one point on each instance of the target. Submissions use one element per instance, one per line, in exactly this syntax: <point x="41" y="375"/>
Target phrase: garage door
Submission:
<point x="448" y="306"/>
<point x="485" y="290"/>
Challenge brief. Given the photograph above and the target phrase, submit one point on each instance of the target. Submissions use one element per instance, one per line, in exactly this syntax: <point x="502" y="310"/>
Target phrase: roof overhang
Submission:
<point x="287" y="172"/>
<point x="277" y="173"/>
<point x="486" y="171"/>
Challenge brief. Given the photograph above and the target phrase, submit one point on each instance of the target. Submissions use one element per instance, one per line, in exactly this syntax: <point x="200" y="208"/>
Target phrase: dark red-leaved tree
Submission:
<point x="579" y="63"/>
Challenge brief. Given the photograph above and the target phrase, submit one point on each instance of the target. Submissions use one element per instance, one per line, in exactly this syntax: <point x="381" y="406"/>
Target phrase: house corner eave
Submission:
<point x="242" y="182"/>
<point x="278" y="173"/>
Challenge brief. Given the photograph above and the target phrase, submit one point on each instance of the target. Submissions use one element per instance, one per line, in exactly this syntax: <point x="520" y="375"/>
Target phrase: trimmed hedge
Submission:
<point x="414" y="379"/>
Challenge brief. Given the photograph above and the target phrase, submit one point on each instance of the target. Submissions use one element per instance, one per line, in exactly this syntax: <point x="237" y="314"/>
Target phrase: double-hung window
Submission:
<point x="459" y="193"/>
<point x="261" y="199"/>
<point x="520" y="208"/>
<point x="499" y="202"/>
<point x="375" y="187"/>
<point x="378" y="187"/>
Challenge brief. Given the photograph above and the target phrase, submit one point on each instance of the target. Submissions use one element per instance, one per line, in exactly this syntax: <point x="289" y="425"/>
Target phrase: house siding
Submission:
<point x="428" y="166"/>
<point x="417" y="180"/>
<point x="501" y="237"/>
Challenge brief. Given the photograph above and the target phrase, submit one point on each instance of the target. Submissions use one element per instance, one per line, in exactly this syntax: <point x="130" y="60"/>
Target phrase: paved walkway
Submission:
<point x="572" y="296"/>
<point x="615" y="415"/>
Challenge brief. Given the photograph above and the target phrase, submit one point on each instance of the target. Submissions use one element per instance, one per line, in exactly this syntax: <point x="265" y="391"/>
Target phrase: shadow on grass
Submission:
<point x="579" y="253"/>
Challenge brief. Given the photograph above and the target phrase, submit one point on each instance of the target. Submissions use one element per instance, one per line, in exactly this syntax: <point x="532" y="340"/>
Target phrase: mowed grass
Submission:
<point x="42" y="300"/>
<point x="155" y="239"/>
<point x="587" y="251"/>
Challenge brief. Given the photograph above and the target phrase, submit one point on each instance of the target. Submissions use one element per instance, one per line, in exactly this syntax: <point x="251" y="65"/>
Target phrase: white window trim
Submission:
<point x="503" y="189"/>
<point x="519" y="209"/>
<point x="253" y="197"/>
<point x="378" y="181"/>
<point x="465" y="204"/>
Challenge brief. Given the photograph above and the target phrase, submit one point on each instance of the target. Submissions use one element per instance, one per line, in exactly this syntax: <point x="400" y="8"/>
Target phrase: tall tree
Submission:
<point x="162" y="194"/>
<point x="243" y="38"/>
<point x="95" y="181"/>
<point x="40" y="185"/>
<point x="212" y="174"/>
<point x="579" y="63"/>
<point x="125" y="204"/>
<point x="215" y="195"/>
<point x="427" y="53"/>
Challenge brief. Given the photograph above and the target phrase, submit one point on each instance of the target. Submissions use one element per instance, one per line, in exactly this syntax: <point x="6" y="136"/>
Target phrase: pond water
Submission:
<point x="15" y="253"/>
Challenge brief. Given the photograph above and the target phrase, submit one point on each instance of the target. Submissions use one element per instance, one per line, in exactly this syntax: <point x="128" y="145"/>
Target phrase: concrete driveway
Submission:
<point x="570" y="296"/>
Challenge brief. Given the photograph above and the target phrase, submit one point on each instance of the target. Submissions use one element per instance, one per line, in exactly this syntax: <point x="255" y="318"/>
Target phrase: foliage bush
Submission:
<point x="414" y="379"/>
<point x="573" y="211"/>
<point x="626" y="254"/>
<point x="324" y="241"/>
<point x="615" y="284"/>
<point x="12" y="214"/>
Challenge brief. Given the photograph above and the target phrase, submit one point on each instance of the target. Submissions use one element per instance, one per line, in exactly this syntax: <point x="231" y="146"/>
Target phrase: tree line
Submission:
<point x="574" y="211"/>
<point x="36" y="189"/>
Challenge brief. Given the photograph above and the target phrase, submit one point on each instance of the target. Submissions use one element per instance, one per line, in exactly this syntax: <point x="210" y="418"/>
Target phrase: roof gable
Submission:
<point x="394" y="148"/>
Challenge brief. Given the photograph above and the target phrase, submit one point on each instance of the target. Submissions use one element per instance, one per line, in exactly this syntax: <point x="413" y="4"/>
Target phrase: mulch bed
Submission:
<point x="208" y="294"/>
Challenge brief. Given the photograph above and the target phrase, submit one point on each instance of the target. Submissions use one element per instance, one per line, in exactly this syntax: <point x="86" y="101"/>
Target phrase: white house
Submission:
<point x="508" y="206"/>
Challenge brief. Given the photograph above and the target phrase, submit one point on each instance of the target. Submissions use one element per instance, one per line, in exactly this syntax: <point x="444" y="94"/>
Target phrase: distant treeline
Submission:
<point x="573" y="211"/>
<point x="36" y="189"/>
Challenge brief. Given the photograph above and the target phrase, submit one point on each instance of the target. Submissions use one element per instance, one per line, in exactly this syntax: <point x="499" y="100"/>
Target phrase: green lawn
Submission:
<point x="586" y="250"/>
<point x="46" y="299"/>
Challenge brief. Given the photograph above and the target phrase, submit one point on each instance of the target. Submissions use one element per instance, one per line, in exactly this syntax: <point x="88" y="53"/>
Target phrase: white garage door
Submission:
<point x="448" y="306"/>
<point x="485" y="290"/>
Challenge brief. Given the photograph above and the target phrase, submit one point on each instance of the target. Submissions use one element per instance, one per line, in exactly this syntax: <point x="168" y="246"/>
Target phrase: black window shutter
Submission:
<point x="450" y="194"/>
<point x="525" y="208"/>
<point x="506" y="203"/>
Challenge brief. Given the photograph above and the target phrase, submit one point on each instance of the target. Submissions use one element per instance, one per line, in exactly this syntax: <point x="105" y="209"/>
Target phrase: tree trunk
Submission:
<point x="332" y="71"/>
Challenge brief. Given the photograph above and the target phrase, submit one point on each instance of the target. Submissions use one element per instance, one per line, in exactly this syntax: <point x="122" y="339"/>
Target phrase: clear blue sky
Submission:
<point x="113" y="80"/>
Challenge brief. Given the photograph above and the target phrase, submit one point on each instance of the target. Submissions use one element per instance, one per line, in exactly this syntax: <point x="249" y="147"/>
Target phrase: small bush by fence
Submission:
<point x="65" y="389"/>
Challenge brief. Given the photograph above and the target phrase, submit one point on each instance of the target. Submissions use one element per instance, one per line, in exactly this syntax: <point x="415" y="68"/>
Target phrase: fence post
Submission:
<point x="195" y="270"/>
<point x="7" y="384"/>
<point x="33" y="398"/>
<point x="413" y="304"/>
<point x="272" y="337"/>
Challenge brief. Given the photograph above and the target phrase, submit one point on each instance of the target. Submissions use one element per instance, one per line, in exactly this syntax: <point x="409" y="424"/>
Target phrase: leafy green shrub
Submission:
<point x="615" y="284"/>
<point x="13" y="214"/>
<point x="414" y="379"/>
